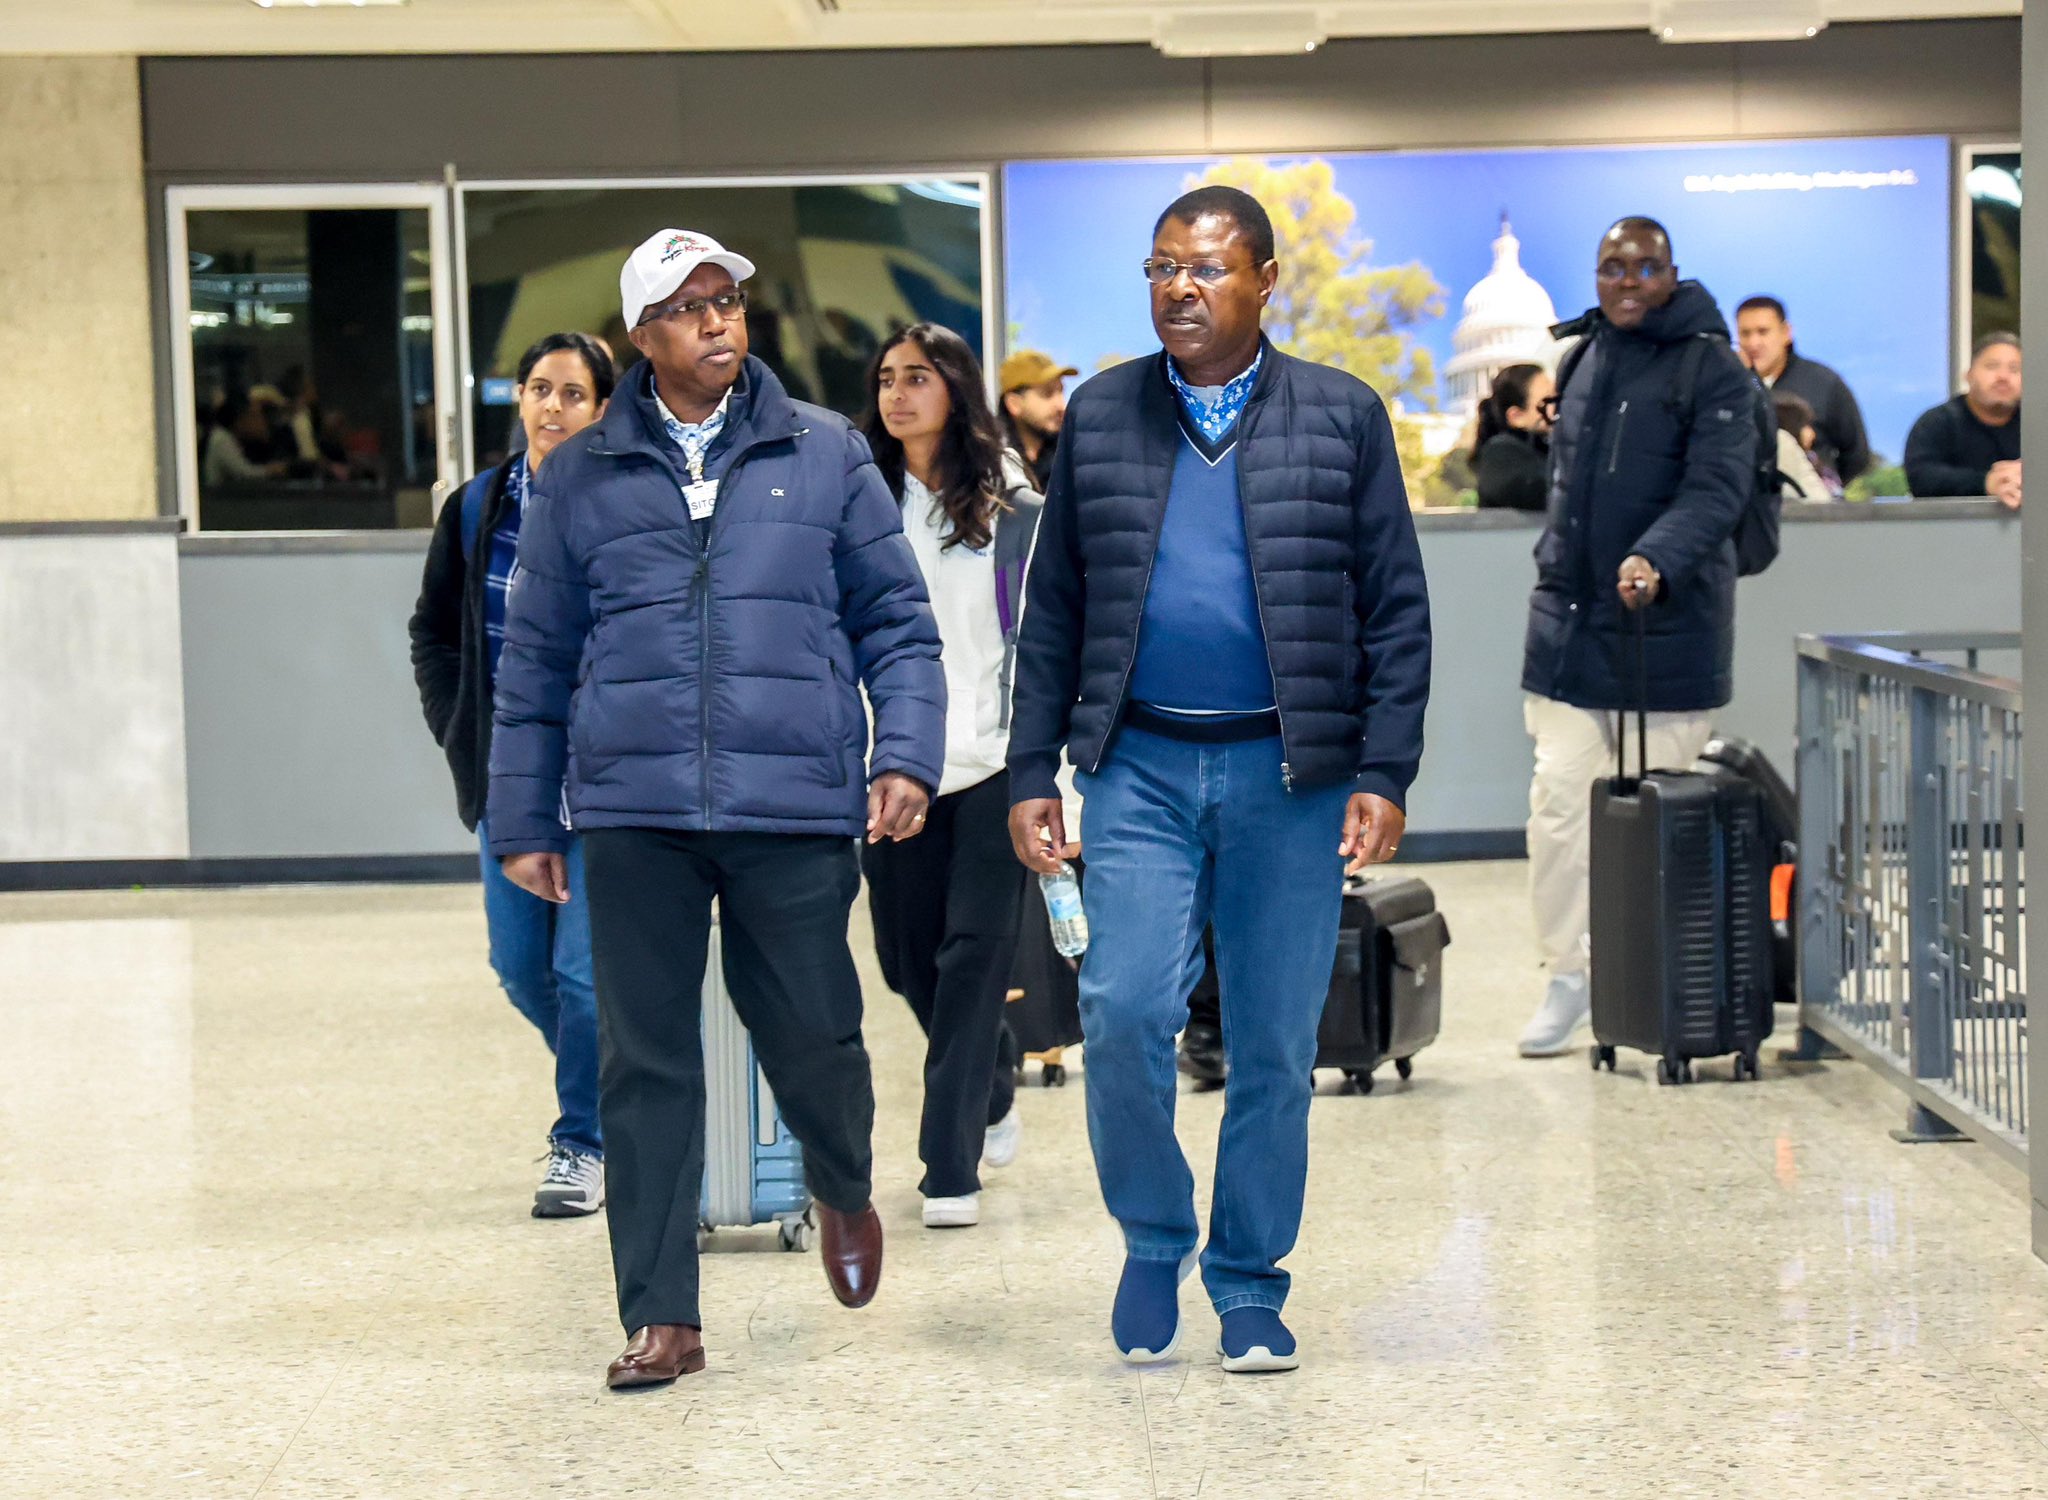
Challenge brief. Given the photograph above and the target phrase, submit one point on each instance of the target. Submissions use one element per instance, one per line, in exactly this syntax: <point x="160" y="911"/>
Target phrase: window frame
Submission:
<point x="179" y="201"/>
<point x="985" y="178"/>
<point x="1964" y="264"/>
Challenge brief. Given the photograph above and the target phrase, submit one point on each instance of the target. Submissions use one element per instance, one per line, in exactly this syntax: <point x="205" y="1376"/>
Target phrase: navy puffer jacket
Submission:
<point x="664" y="684"/>
<point x="1632" y="473"/>
<point x="1334" y="557"/>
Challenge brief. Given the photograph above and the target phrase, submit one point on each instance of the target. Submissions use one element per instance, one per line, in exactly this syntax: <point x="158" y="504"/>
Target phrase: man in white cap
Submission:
<point x="706" y="577"/>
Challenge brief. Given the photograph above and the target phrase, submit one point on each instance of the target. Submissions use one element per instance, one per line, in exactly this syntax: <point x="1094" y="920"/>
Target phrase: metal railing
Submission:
<point x="1912" y="874"/>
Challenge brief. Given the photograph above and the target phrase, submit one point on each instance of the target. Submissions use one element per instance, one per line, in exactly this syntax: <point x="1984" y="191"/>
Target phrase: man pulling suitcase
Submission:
<point x="1654" y="466"/>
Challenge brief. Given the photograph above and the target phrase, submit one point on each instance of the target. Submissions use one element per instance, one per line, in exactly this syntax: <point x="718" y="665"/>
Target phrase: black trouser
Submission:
<point x="945" y="907"/>
<point x="783" y="903"/>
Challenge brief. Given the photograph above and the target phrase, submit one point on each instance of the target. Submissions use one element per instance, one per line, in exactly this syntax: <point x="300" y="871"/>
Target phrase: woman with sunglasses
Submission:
<point x="1511" y="455"/>
<point x="945" y="905"/>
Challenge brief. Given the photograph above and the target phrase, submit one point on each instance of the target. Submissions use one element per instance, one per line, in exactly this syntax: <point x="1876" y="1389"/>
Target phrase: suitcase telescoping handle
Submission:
<point x="1642" y="655"/>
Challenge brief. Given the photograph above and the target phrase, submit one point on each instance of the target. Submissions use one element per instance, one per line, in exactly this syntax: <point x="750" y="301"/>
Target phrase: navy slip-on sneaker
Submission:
<point x="1146" y="1319"/>
<point x="1255" y="1341"/>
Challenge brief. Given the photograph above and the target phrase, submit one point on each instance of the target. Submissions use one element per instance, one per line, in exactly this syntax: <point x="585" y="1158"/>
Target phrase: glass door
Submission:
<point x="314" y="356"/>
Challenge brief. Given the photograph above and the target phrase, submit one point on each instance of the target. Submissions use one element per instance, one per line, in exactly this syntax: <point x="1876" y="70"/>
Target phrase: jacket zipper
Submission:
<point x="1244" y="511"/>
<point x="1123" y="691"/>
<point x="704" y="620"/>
<point x="1620" y="426"/>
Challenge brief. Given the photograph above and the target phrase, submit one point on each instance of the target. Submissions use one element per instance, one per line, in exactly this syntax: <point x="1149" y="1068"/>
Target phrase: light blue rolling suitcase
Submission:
<point x="753" y="1167"/>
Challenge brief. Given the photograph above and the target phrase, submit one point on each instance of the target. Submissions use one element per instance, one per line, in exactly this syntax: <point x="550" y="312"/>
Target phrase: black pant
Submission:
<point x="945" y="908"/>
<point x="783" y="903"/>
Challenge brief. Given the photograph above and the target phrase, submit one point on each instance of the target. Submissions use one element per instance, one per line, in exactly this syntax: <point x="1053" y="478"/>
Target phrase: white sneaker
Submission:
<point x="999" y="1148"/>
<point x="952" y="1213"/>
<point x="573" y="1186"/>
<point x="1564" y="1010"/>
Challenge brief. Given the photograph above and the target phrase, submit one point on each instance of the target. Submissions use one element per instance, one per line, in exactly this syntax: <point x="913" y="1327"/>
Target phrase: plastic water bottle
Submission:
<point x="1063" y="906"/>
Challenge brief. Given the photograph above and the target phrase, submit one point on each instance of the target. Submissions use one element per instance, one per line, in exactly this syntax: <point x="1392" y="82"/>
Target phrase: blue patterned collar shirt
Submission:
<point x="694" y="438"/>
<point x="1215" y="409"/>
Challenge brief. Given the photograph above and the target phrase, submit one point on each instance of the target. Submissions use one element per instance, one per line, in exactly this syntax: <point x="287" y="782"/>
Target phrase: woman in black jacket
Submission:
<point x="1511" y="455"/>
<point x="540" y="950"/>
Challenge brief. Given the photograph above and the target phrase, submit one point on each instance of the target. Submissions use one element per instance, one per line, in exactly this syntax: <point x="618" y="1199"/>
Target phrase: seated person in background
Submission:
<point x="237" y="444"/>
<point x="1511" y="451"/>
<point x="1971" y="444"/>
<point x="1803" y="478"/>
<point x="1765" y="339"/>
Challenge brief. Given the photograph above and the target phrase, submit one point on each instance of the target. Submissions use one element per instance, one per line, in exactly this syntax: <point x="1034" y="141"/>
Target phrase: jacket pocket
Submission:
<point x="1620" y="430"/>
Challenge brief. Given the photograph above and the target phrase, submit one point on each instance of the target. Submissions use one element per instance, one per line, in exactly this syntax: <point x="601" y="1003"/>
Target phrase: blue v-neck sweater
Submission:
<point x="1201" y="645"/>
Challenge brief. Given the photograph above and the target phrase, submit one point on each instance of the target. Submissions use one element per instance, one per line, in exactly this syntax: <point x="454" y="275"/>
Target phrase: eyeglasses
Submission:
<point x="1159" y="271"/>
<point x="730" y="304"/>
<point x="1640" y="270"/>
<point x="1549" y="406"/>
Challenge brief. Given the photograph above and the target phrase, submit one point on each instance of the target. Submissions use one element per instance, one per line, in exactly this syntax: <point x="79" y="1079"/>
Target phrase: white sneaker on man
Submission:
<point x="952" y="1213"/>
<point x="999" y="1147"/>
<point x="573" y="1186"/>
<point x="1564" y="1010"/>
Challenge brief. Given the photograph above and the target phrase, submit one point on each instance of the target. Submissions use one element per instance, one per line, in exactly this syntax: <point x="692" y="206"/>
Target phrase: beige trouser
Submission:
<point x="1575" y="748"/>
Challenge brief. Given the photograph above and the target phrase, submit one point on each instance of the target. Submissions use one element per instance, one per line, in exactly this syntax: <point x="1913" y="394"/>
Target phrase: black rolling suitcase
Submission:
<point x="1386" y="987"/>
<point x="1781" y="837"/>
<point x="1681" y="870"/>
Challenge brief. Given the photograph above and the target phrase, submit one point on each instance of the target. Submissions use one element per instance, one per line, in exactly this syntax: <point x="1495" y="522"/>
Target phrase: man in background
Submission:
<point x="1971" y="445"/>
<point x="1765" y="336"/>
<point x="1034" y="392"/>
<point x="1644" y="501"/>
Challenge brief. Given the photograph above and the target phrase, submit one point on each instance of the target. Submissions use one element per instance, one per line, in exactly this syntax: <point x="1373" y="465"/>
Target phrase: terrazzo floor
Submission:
<point x="270" y="1154"/>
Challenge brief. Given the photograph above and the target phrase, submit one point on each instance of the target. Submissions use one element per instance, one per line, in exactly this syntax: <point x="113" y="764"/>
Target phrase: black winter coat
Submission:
<point x="449" y="647"/>
<point x="1631" y="473"/>
<point x="1513" y="471"/>
<point x="1334" y="558"/>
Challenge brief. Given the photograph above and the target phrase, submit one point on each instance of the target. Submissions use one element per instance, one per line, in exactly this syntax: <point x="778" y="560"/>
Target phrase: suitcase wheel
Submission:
<point x="1361" y="1081"/>
<point x="1674" y="1070"/>
<point x="1746" y="1066"/>
<point x="1053" y="1076"/>
<point x="1603" y="1057"/>
<point x="1405" y="1066"/>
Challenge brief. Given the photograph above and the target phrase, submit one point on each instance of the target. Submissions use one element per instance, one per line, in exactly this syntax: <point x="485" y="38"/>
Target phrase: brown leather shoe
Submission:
<point x="851" y="1247"/>
<point x="656" y="1355"/>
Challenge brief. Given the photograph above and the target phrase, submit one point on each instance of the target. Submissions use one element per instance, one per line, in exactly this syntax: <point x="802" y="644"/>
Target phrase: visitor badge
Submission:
<point x="702" y="498"/>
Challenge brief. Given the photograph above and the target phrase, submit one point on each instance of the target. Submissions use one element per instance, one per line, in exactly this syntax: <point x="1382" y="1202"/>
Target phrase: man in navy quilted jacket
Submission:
<point x="1226" y="629"/>
<point x="705" y="577"/>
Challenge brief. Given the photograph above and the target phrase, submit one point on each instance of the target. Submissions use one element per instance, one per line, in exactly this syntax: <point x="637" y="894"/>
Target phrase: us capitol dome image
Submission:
<point x="1507" y="321"/>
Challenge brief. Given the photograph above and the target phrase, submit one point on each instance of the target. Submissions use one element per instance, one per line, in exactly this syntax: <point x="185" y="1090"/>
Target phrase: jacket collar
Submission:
<point x="627" y="427"/>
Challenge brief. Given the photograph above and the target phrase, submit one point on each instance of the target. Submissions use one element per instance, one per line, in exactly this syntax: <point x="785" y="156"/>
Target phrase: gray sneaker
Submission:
<point x="1564" y="1010"/>
<point x="573" y="1186"/>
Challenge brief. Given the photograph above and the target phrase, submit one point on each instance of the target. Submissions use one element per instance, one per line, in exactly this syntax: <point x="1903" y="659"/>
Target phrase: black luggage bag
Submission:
<point x="1781" y="838"/>
<point x="1386" y="987"/>
<point x="1681" y="869"/>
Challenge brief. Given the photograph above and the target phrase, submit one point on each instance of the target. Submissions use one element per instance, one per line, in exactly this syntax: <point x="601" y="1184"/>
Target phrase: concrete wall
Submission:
<point x="1873" y="569"/>
<point x="74" y="291"/>
<point x="303" y="724"/>
<point x="306" y="741"/>
<point x="92" y="730"/>
<point x="302" y="118"/>
<point x="2034" y="327"/>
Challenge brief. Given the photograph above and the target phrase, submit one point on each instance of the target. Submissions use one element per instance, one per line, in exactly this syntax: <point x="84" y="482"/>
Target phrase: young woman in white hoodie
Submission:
<point x="945" y="905"/>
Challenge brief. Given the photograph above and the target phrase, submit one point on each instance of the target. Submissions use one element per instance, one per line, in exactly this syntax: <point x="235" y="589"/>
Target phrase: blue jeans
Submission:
<point x="1179" y="837"/>
<point x="541" y="953"/>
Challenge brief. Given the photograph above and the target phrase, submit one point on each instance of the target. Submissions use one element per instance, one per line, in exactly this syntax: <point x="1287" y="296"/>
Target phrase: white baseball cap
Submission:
<point x="664" y="262"/>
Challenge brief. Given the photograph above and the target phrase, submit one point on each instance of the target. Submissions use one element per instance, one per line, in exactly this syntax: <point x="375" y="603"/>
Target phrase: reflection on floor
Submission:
<point x="270" y="1156"/>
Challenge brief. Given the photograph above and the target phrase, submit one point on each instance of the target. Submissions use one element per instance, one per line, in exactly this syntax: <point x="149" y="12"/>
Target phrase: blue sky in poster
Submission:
<point x="1865" y="271"/>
